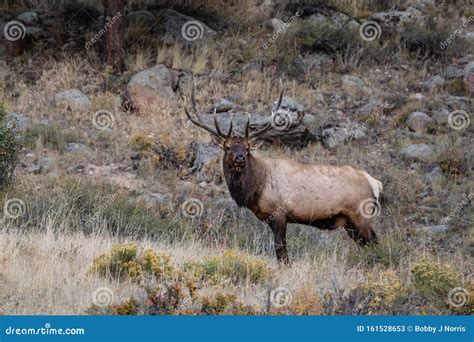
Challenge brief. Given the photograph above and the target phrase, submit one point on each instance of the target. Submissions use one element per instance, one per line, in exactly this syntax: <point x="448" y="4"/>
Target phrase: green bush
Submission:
<point x="9" y="147"/>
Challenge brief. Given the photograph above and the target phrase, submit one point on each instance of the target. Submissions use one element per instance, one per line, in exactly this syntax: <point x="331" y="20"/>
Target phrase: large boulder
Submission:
<point x="28" y="18"/>
<point x="151" y="88"/>
<point x="181" y="27"/>
<point x="396" y="19"/>
<point x="342" y="133"/>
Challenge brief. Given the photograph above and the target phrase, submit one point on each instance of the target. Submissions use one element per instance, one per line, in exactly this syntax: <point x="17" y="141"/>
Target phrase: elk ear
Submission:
<point x="219" y="141"/>
<point x="255" y="145"/>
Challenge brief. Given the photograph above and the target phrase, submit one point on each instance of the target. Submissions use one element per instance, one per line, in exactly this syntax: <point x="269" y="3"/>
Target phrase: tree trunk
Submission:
<point x="114" y="23"/>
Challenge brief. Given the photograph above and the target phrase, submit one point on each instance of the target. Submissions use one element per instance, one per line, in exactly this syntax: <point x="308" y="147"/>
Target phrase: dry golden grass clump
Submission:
<point x="125" y="261"/>
<point x="230" y="266"/>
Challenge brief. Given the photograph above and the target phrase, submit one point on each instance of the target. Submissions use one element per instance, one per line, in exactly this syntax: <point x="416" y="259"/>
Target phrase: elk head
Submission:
<point x="237" y="149"/>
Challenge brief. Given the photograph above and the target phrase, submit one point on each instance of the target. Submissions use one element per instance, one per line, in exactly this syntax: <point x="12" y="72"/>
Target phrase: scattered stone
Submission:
<point x="433" y="83"/>
<point x="441" y="116"/>
<point x="223" y="105"/>
<point x="341" y="134"/>
<point x="151" y="88"/>
<point x="469" y="78"/>
<point x="334" y="18"/>
<point x="74" y="100"/>
<point x="435" y="175"/>
<point x="75" y="148"/>
<point x="420" y="122"/>
<point x="155" y="199"/>
<point x="419" y="152"/>
<point x="18" y="121"/>
<point x="354" y="85"/>
<point x="273" y="25"/>
<point x="28" y="18"/>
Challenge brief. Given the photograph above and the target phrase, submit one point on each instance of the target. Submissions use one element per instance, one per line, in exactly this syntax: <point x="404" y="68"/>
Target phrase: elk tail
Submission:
<point x="374" y="184"/>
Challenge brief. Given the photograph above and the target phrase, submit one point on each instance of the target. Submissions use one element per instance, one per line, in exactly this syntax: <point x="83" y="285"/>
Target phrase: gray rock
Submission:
<point x="342" y="134"/>
<point x="435" y="175"/>
<point x="184" y="28"/>
<point x="273" y="25"/>
<point x="441" y="116"/>
<point x="433" y="83"/>
<point x="19" y="121"/>
<point x="372" y="108"/>
<point x="418" y="152"/>
<point x="453" y="72"/>
<point x="334" y="18"/>
<point x="223" y="105"/>
<point x="46" y="164"/>
<point x="151" y="88"/>
<point x="73" y="99"/>
<point x="289" y="104"/>
<point x="354" y="85"/>
<point x="470" y="37"/>
<point x="75" y="148"/>
<point x="395" y="19"/>
<point x="205" y="162"/>
<point x="457" y="102"/>
<point x="35" y="32"/>
<point x="28" y="18"/>
<point x="468" y="74"/>
<point x="420" y="122"/>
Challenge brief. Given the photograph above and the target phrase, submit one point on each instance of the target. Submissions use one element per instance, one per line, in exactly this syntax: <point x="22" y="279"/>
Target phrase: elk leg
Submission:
<point x="362" y="234"/>
<point x="278" y="226"/>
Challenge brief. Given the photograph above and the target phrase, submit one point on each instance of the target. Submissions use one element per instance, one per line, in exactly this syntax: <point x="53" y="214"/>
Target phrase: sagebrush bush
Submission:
<point x="125" y="261"/>
<point x="434" y="280"/>
<point x="382" y="291"/>
<point x="230" y="266"/>
<point x="9" y="147"/>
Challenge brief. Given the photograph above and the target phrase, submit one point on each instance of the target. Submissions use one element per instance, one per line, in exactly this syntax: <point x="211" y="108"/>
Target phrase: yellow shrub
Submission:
<point x="434" y="279"/>
<point x="124" y="261"/>
<point x="382" y="291"/>
<point x="156" y="264"/>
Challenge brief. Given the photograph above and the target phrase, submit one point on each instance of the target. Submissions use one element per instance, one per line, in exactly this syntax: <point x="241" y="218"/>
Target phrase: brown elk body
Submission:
<point x="281" y="191"/>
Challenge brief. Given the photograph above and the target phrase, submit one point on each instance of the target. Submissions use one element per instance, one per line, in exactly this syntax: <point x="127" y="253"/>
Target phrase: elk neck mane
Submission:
<point x="247" y="185"/>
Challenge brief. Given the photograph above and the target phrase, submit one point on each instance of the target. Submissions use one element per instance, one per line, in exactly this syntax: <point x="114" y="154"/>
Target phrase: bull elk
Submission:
<point x="281" y="191"/>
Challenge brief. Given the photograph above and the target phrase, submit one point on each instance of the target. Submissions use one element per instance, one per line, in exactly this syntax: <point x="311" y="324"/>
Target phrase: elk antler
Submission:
<point x="217" y="131"/>
<point x="256" y="134"/>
